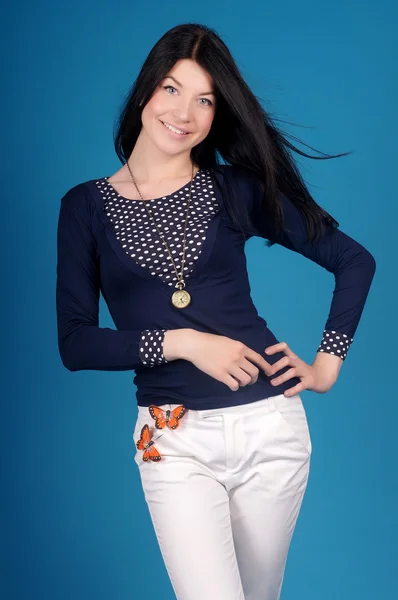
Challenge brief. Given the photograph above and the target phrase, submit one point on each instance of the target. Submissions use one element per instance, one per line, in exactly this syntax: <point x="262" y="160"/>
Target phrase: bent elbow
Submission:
<point x="68" y="362"/>
<point x="371" y="264"/>
<point x="69" y="358"/>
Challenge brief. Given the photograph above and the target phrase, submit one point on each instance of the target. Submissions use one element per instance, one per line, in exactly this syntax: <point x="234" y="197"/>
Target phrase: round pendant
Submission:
<point x="181" y="299"/>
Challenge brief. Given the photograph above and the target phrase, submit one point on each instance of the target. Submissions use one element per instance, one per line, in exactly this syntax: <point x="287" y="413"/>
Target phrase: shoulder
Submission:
<point x="238" y="175"/>
<point x="78" y="198"/>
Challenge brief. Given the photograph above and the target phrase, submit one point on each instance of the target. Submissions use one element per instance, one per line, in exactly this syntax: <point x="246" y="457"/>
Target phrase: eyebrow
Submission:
<point x="180" y="84"/>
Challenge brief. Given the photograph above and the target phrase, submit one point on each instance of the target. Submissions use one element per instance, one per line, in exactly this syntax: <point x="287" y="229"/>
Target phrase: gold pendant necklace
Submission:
<point x="181" y="298"/>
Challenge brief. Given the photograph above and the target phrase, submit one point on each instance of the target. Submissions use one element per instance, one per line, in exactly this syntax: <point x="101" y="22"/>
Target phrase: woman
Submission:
<point x="222" y="441"/>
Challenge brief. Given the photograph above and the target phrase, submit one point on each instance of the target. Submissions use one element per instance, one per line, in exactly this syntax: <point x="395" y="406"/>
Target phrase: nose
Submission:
<point x="182" y="112"/>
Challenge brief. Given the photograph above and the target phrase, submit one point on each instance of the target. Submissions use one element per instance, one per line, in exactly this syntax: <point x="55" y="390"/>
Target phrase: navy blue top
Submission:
<point x="102" y="245"/>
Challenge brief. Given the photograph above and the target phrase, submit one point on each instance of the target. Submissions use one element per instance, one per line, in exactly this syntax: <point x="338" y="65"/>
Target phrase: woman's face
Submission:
<point x="185" y="100"/>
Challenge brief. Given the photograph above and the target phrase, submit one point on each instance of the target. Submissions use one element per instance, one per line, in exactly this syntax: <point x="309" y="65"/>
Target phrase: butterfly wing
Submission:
<point x="175" y="415"/>
<point x="159" y="415"/>
<point x="144" y="438"/>
<point x="151" y="454"/>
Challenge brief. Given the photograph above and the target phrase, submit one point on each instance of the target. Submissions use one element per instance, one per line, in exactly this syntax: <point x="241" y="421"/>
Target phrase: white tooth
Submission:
<point x="174" y="129"/>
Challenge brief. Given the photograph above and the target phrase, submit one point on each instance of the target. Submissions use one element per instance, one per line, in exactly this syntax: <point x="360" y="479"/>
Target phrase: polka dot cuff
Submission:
<point x="151" y="347"/>
<point x="335" y="342"/>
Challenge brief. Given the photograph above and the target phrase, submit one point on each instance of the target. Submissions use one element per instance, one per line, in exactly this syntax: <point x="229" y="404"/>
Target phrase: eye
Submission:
<point x="210" y="103"/>
<point x="168" y="86"/>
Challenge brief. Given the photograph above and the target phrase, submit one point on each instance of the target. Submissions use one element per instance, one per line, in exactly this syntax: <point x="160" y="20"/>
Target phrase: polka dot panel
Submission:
<point x="139" y="237"/>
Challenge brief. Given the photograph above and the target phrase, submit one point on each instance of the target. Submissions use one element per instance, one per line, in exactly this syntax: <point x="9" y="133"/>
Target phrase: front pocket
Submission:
<point x="292" y="412"/>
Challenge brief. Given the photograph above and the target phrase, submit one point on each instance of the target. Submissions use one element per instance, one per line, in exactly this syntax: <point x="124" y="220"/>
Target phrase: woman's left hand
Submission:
<point x="312" y="377"/>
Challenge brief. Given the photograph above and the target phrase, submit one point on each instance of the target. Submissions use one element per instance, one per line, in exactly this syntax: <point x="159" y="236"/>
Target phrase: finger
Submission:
<point x="231" y="382"/>
<point x="282" y="362"/>
<point x="259" y="360"/>
<point x="241" y="375"/>
<point x="250" y="368"/>
<point x="295" y="390"/>
<point x="280" y="347"/>
<point x="285" y="377"/>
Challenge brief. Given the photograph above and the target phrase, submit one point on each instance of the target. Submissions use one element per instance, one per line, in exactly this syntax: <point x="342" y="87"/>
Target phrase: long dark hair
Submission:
<point x="242" y="133"/>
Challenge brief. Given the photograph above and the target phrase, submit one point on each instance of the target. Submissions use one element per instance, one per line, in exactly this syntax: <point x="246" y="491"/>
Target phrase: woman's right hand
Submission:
<point x="227" y="360"/>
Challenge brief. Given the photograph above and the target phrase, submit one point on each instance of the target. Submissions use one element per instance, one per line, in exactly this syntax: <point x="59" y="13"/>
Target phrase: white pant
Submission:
<point x="225" y="496"/>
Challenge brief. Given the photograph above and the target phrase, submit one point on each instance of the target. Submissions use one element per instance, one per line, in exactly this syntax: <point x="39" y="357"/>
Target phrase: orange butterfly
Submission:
<point x="145" y="443"/>
<point x="167" y="417"/>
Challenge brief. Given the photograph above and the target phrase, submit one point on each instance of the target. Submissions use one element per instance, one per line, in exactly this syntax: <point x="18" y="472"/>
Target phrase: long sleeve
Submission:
<point x="352" y="265"/>
<point x="82" y="343"/>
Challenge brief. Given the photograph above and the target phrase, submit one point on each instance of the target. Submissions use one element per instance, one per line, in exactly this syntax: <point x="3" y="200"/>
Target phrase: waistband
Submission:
<point x="265" y="405"/>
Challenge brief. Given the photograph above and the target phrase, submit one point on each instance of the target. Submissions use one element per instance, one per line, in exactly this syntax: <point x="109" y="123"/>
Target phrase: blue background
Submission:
<point x="74" y="519"/>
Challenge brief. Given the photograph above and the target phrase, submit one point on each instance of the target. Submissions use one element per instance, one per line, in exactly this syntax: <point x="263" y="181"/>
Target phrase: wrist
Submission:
<point x="328" y="365"/>
<point x="175" y="343"/>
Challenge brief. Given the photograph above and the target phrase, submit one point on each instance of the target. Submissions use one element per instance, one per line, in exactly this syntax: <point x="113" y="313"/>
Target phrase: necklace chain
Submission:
<point x="180" y="280"/>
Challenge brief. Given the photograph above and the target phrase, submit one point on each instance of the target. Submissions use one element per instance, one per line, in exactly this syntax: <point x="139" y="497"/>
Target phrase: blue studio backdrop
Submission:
<point x="73" y="515"/>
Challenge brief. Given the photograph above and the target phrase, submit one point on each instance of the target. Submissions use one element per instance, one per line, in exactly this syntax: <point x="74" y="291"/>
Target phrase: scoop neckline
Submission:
<point x="150" y="199"/>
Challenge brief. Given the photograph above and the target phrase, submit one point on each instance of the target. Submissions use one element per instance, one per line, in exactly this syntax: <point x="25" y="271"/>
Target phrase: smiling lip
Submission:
<point x="179" y="128"/>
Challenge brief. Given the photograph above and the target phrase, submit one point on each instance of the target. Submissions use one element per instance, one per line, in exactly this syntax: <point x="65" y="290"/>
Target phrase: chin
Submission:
<point x="168" y="149"/>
